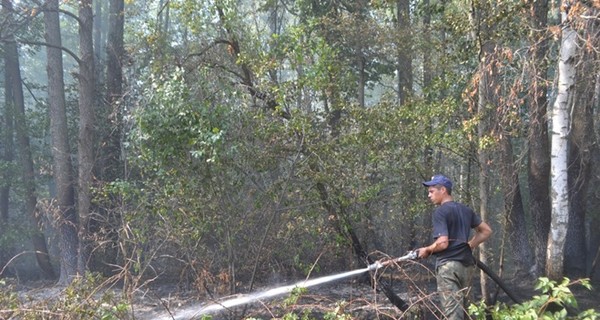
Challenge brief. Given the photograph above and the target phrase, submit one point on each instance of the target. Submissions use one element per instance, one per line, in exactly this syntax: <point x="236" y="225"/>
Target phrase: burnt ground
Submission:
<point x="352" y="296"/>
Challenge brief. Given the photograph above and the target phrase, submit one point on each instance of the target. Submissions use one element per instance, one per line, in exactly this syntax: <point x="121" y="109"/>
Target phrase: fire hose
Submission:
<point x="414" y="255"/>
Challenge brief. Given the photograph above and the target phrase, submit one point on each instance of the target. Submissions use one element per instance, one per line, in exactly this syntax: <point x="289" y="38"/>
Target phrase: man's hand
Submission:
<point x="411" y="255"/>
<point x="424" y="252"/>
<point x="482" y="233"/>
<point x="385" y="262"/>
<point x="440" y="244"/>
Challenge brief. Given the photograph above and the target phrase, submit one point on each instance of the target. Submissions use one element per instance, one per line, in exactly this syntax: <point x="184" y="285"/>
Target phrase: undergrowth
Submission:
<point x="555" y="302"/>
<point x="84" y="298"/>
<point x="87" y="298"/>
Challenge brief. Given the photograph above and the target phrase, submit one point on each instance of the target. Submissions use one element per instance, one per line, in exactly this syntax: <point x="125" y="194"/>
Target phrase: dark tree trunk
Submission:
<point x="582" y="140"/>
<point x="61" y="151"/>
<point x="593" y="271"/>
<point x="85" y="146"/>
<point x="515" y="211"/>
<point x="98" y="32"/>
<point x="7" y="156"/>
<point x="28" y="174"/>
<point x="111" y="166"/>
<point x="538" y="139"/>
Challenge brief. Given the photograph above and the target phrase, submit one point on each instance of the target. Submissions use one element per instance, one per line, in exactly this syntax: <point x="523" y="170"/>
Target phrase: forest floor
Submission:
<point x="352" y="296"/>
<point x="356" y="298"/>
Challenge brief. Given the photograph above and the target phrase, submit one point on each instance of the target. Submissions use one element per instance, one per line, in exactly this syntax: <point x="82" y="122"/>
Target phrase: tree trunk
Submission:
<point x="404" y="70"/>
<point x="28" y="174"/>
<point x="345" y="230"/>
<point x="539" y="143"/>
<point x="61" y="151"/>
<point x="427" y="63"/>
<point x="8" y="157"/>
<point x="516" y="226"/>
<point x="558" y="160"/>
<point x="362" y="79"/>
<point x="115" y="52"/>
<point x="593" y="271"/>
<point x="85" y="146"/>
<point x="109" y="166"/>
<point x="581" y="141"/>
<point x="579" y="163"/>
<point x="486" y="102"/>
<point x="98" y="32"/>
<point x="485" y="108"/>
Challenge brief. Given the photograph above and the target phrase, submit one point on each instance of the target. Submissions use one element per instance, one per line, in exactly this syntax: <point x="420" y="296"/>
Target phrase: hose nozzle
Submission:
<point x="411" y="255"/>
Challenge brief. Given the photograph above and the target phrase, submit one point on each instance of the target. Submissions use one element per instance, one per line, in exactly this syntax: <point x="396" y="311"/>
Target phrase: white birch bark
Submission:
<point x="558" y="163"/>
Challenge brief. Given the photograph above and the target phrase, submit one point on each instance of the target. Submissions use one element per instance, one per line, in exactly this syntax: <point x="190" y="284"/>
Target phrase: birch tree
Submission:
<point x="558" y="160"/>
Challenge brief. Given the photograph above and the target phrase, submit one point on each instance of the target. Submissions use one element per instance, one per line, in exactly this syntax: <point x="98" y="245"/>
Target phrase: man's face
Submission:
<point x="435" y="194"/>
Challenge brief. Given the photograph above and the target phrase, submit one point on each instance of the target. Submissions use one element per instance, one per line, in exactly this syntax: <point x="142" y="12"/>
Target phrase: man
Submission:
<point x="452" y="223"/>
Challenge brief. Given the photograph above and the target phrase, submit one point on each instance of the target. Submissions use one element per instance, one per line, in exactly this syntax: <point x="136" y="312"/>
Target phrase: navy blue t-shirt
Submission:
<point x="454" y="220"/>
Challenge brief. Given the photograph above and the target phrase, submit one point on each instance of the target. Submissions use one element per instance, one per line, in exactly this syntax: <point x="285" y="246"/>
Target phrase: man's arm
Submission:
<point x="440" y="244"/>
<point x="482" y="233"/>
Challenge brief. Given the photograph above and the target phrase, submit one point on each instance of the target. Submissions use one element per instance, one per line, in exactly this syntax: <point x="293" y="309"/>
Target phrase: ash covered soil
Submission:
<point x="352" y="296"/>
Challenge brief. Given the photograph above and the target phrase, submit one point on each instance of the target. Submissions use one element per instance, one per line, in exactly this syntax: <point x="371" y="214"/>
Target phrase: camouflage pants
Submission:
<point x="453" y="284"/>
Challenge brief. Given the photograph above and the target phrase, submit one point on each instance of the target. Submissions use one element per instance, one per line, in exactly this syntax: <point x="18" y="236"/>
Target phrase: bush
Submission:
<point x="555" y="302"/>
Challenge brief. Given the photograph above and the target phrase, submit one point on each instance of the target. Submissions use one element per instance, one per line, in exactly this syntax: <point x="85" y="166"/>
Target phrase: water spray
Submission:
<point x="193" y="312"/>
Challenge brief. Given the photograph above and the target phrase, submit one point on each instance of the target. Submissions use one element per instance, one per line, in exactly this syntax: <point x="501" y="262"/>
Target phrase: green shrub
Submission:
<point x="553" y="303"/>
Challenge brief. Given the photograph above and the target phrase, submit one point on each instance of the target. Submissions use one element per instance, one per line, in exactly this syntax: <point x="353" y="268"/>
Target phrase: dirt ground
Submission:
<point x="352" y="296"/>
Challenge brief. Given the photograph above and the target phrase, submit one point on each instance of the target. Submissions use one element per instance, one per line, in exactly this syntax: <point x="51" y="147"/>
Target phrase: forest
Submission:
<point x="224" y="145"/>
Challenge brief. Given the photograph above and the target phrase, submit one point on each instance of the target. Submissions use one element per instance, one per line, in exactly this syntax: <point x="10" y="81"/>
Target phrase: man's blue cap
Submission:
<point x="439" y="179"/>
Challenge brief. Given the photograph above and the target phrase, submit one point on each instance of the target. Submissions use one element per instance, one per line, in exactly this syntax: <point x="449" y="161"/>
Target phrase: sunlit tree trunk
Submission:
<point x="85" y="146"/>
<point x="558" y="160"/>
<point x="538" y="140"/>
<point x="63" y="168"/>
<point x="483" y="131"/>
